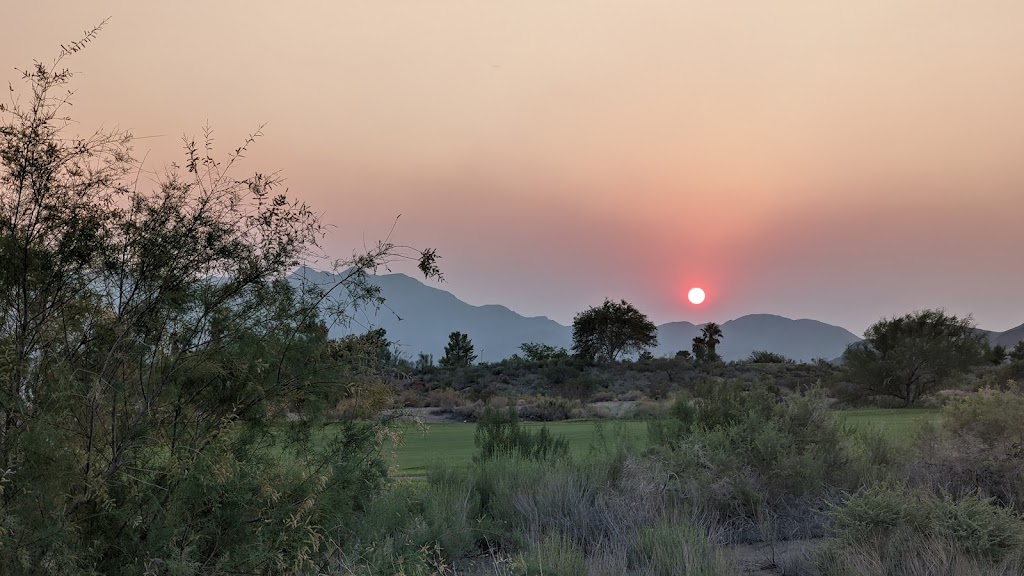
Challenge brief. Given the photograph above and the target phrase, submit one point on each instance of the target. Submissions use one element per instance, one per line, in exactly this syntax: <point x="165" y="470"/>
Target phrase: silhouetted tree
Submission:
<point x="712" y="338"/>
<point x="997" y="355"/>
<point x="605" y="332"/>
<point x="766" y="357"/>
<point x="537" y="352"/>
<point x="459" y="351"/>
<point x="909" y="356"/>
<point x="1017" y="352"/>
<point x="705" y="346"/>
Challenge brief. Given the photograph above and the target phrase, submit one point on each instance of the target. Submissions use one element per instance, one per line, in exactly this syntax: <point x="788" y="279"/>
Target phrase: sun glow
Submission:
<point x="696" y="295"/>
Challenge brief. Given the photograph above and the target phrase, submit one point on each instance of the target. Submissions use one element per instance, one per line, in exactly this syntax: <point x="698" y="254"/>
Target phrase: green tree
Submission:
<point x="459" y="351"/>
<point x="766" y="357"/>
<point x="910" y="356"/>
<point x="1017" y="353"/>
<point x="162" y="378"/>
<point x="606" y="332"/>
<point x="997" y="355"/>
<point x="537" y="352"/>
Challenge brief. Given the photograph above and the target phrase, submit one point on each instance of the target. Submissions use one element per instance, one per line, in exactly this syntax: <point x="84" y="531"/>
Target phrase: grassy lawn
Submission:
<point x="899" y="422"/>
<point x="454" y="442"/>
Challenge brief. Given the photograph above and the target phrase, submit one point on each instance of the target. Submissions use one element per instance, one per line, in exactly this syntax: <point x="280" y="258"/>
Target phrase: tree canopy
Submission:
<point x="910" y="356"/>
<point x="152" y="344"/>
<point x="606" y="332"/>
<point x="458" y="353"/>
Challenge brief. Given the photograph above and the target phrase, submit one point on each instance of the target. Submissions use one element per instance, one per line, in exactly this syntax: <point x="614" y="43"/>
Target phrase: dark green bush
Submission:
<point x="744" y="454"/>
<point x="498" y="432"/>
<point x="766" y="357"/>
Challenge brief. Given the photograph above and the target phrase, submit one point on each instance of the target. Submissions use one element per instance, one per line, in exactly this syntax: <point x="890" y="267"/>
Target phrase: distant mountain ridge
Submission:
<point x="419" y="318"/>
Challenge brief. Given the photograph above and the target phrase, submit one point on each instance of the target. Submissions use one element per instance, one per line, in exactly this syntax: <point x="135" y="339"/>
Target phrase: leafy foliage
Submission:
<point x="766" y="357"/>
<point x="499" y="432"/>
<point x="1017" y="352"/>
<point x="972" y="524"/>
<point x="151" y="348"/>
<point x="538" y="352"/>
<point x="976" y="448"/>
<point x="606" y="332"/>
<point x="458" y="353"/>
<point x="908" y="357"/>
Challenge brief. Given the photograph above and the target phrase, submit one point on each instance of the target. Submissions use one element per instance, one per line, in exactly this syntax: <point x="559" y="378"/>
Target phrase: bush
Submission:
<point x="976" y="447"/>
<point x="545" y="409"/>
<point x="766" y="357"/>
<point x="883" y="518"/>
<point x="744" y="454"/>
<point x="444" y="398"/>
<point x="555" y="555"/>
<point x="498" y="432"/>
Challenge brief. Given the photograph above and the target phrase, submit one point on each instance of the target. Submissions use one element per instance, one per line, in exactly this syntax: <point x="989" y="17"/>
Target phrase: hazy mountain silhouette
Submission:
<point x="802" y="340"/>
<point x="419" y="318"/>
<point x="1009" y="338"/>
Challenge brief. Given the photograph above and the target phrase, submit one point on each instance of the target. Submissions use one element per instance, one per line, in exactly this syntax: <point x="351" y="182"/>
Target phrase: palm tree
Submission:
<point x="712" y="336"/>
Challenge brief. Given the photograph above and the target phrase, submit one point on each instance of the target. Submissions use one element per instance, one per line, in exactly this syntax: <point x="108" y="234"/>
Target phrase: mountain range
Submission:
<point x="419" y="319"/>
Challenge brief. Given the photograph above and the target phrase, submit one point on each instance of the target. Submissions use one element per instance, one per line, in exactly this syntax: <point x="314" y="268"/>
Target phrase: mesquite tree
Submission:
<point x="152" y="343"/>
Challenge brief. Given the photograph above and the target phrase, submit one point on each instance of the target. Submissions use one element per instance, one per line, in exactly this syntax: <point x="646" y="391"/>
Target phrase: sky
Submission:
<point x="841" y="161"/>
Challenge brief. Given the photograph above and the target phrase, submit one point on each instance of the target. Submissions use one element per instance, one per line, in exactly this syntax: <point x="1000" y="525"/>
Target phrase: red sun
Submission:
<point x="695" y="295"/>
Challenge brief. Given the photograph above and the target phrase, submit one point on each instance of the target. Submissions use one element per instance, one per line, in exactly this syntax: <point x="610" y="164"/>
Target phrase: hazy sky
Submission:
<point x="833" y="160"/>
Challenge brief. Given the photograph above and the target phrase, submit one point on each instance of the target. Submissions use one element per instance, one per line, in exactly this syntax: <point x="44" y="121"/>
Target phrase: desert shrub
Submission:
<point x="448" y="512"/>
<point x="744" y="454"/>
<point x="975" y="447"/>
<point x="892" y="524"/>
<point x="403" y="399"/>
<point x="547" y="409"/>
<point x="667" y="548"/>
<point x="649" y="410"/>
<point x="444" y="398"/>
<point x="556" y="373"/>
<point x="632" y="396"/>
<point x="499" y="432"/>
<point x="580" y="387"/>
<point x="766" y="357"/>
<point x="556" y="555"/>
<point x="904" y="554"/>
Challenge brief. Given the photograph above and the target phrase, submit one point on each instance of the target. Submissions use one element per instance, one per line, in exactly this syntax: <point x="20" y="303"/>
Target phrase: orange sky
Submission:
<point x="793" y="157"/>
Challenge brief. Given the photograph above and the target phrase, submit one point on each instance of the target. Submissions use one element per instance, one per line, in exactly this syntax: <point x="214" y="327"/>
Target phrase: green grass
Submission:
<point x="422" y="447"/>
<point x="899" y="422"/>
<point x="453" y="443"/>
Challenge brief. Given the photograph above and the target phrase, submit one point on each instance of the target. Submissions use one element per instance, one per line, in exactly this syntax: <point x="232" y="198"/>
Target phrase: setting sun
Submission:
<point x="696" y="295"/>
